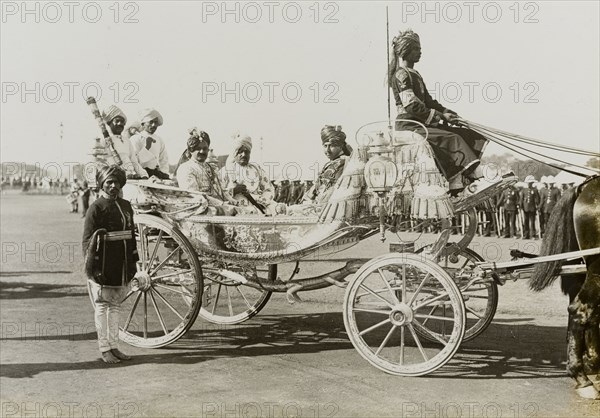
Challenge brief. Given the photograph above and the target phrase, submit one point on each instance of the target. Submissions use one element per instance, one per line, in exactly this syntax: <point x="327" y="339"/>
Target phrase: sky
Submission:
<point x="281" y="70"/>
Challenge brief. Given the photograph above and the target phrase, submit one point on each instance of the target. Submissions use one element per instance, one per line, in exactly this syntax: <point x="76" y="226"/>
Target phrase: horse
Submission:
<point x="575" y="224"/>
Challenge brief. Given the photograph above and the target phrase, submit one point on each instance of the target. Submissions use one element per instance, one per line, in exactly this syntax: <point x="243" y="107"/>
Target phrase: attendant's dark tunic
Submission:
<point x="456" y="150"/>
<point x="117" y="257"/>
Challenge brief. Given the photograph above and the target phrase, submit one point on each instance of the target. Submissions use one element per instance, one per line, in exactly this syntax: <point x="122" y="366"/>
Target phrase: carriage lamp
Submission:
<point x="381" y="174"/>
<point x="380" y="171"/>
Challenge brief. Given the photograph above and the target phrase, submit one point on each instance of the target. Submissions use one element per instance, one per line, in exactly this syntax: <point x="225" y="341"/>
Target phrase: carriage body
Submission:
<point x="225" y="268"/>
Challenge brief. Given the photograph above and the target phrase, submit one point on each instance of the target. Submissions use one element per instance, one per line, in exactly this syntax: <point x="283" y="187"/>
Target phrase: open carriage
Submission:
<point x="405" y="312"/>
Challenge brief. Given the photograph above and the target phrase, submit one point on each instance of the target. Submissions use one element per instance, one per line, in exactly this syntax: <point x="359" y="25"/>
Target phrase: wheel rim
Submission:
<point x="225" y="301"/>
<point x="479" y="294"/>
<point x="388" y="300"/>
<point x="158" y="311"/>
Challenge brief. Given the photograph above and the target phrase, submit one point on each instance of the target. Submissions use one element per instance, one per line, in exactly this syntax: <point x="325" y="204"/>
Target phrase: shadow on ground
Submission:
<point x="505" y="350"/>
<point x="26" y="290"/>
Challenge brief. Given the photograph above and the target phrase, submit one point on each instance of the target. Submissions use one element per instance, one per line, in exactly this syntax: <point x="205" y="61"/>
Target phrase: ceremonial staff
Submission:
<point x="111" y="146"/>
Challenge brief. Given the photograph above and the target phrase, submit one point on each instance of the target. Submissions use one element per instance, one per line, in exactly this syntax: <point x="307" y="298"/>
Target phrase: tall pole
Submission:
<point x="387" y="48"/>
<point x="60" y="148"/>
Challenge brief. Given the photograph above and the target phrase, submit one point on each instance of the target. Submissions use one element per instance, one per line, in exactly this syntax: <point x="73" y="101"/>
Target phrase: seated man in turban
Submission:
<point x="247" y="182"/>
<point x="149" y="147"/>
<point x="198" y="175"/>
<point x="116" y="120"/>
<point x="457" y="150"/>
<point x="335" y="149"/>
<point x="197" y="137"/>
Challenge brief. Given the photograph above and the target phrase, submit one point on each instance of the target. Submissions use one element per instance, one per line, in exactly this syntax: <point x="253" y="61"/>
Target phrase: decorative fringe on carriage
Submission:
<point x="348" y="201"/>
<point x="421" y="191"/>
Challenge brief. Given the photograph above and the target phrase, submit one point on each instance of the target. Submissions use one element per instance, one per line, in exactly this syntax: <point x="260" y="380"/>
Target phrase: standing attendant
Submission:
<point x="530" y="199"/>
<point x="110" y="253"/>
<point x="85" y="198"/>
<point x="149" y="147"/>
<point x="509" y="200"/>
<point x="552" y="197"/>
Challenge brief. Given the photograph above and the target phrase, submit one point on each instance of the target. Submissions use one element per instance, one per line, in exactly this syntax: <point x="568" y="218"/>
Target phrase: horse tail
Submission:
<point x="558" y="238"/>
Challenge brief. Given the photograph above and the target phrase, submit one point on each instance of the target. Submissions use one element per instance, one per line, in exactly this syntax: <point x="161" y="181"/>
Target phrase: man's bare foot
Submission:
<point x="120" y="355"/>
<point x="108" y="357"/>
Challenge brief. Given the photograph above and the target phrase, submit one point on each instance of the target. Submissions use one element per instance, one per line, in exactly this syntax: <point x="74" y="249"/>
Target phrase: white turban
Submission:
<point x="149" y="114"/>
<point x="240" y="141"/>
<point x="112" y="112"/>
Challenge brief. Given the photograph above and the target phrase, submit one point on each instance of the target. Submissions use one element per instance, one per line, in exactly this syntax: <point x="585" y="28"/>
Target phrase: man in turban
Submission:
<point x="149" y="147"/>
<point x="457" y="150"/>
<point x="109" y="248"/>
<point x="195" y="141"/>
<point x="198" y="175"/>
<point x="116" y="120"/>
<point x="335" y="149"/>
<point x="247" y="182"/>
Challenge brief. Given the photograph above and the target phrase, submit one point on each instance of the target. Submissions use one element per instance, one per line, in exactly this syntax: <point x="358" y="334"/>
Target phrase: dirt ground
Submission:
<point x="290" y="360"/>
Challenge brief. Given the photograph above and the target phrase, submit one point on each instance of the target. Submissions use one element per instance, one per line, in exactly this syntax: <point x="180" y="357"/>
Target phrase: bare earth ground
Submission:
<point x="290" y="360"/>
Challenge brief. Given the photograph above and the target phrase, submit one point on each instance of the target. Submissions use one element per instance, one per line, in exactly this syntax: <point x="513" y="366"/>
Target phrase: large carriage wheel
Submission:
<point x="158" y="312"/>
<point x="227" y="301"/>
<point x="480" y="294"/>
<point x="389" y="299"/>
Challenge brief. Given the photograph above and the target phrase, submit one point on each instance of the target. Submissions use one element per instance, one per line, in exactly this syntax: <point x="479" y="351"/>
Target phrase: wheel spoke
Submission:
<point x="387" y="285"/>
<point x="243" y="296"/>
<point x="401" y="346"/>
<point x="385" y="340"/>
<point x="475" y="296"/>
<point x="375" y="311"/>
<point x="412" y="299"/>
<point x="404" y="283"/>
<point x="377" y="296"/>
<point x="431" y="300"/>
<point x="160" y="318"/>
<point x="473" y="312"/>
<point x="216" y="299"/>
<point x="130" y="316"/>
<point x="131" y="292"/>
<point x="162" y="263"/>
<point x="145" y="314"/>
<point x="154" y="251"/>
<point x="162" y="286"/>
<point x="168" y="304"/>
<point x="143" y="242"/>
<point x="429" y="333"/>
<point x="430" y="313"/>
<point x="441" y="318"/>
<point x="229" y="301"/>
<point x="372" y="327"/>
<point x="416" y="338"/>
<point x="174" y="273"/>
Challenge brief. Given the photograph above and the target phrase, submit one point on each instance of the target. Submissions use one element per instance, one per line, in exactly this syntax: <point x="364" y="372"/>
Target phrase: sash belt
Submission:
<point x="118" y="236"/>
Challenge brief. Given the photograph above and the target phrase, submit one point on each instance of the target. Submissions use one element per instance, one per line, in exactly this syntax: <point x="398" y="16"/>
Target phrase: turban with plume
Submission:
<point x="404" y="42"/>
<point x="335" y="136"/>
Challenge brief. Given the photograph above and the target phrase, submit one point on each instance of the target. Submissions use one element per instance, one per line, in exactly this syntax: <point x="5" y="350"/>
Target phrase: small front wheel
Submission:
<point x="387" y="307"/>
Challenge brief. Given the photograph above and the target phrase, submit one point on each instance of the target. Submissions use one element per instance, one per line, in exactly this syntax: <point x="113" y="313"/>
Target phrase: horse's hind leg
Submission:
<point x="583" y="337"/>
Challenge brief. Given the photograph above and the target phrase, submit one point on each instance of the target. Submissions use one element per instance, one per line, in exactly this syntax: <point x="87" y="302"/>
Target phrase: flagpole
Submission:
<point x="387" y="48"/>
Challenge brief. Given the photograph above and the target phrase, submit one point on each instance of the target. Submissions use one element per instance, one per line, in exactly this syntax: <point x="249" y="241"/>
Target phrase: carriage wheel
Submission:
<point x="480" y="294"/>
<point x="158" y="312"/>
<point x="388" y="300"/>
<point x="228" y="302"/>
